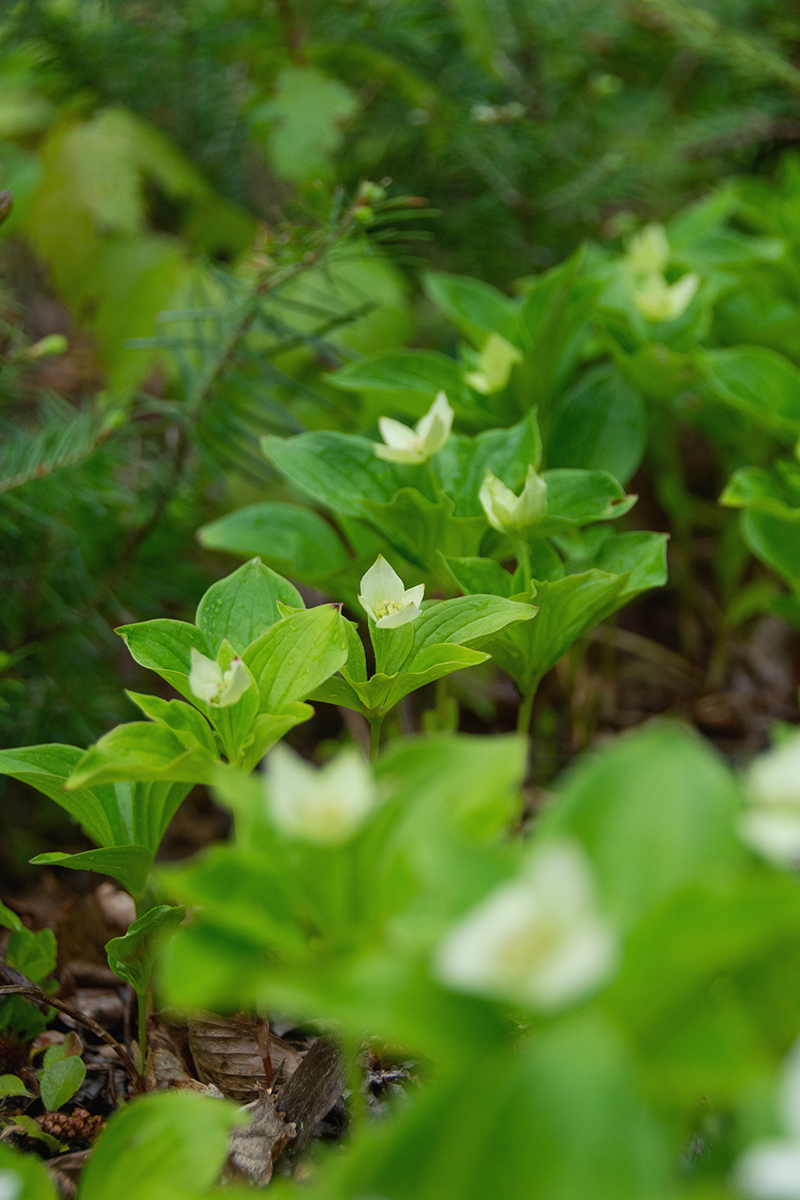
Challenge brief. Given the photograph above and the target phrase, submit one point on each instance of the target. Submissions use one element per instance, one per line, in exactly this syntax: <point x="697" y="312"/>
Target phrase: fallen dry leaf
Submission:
<point x="254" y="1149"/>
<point x="165" y="1066"/>
<point x="226" y="1053"/>
<point x="313" y="1090"/>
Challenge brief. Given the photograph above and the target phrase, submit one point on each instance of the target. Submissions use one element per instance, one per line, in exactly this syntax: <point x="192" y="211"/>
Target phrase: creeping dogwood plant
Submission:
<point x="417" y="445"/>
<point x="322" y="805"/>
<point x="384" y="598"/>
<point x="508" y="513"/>
<point x="538" y="940"/>
<point x="209" y="682"/>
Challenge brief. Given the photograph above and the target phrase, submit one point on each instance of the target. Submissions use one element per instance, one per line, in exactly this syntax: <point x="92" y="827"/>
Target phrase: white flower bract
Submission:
<point x="645" y="262"/>
<point x="494" y="365"/>
<point x="658" y="300"/>
<point x="770" y="1170"/>
<point x="417" y="445"/>
<point x="11" y="1185"/>
<point x="648" y="250"/>
<point x="538" y="940"/>
<point x="210" y="683"/>
<point x="508" y="513"/>
<point x="771" y="824"/>
<point x="384" y="597"/>
<point x="323" y="805"/>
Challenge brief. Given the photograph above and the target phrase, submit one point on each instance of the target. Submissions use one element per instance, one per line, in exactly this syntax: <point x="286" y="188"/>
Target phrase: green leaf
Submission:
<point x="382" y="692"/>
<point x="460" y="782"/>
<point x="664" y="796"/>
<point x="336" y="469"/>
<point x="599" y="424"/>
<point x="467" y="620"/>
<point x="567" y="1105"/>
<point x="417" y="371"/>
<point x="567" y="608"/>
<point x="24" y="1175"/>
<point x="9" y="919"/>
<point x="47" y="768"/>
<point x="296" y="655"/>
<point x="269" y="728"/>
<point x="759" y="382"/>
<point x="418" y="527"/>
<point x="243" y="605"/>
<point x="59" y="1082"/>
<point x="171" y="1143"/>
<point x="12" y="1085"/>
<point x="129" y="864"/>
<point x="133" y="956"/>
<point x="553" y="327"/>
<point x="32" y="954"/>
<point x="293" y="540"/>
<point x="164" y="646"/>
<point x="642" y="557"/>
<point x="475" y="307"/>
<point x="477" y="576"/>
<point x="581" y="498"/>
<point x="146" y="752"/>
<point x="305" y="116"/>
<point x="774" y="542"/>
<point x="182" y="719"/>
<point x="463" y="462"/>
<point x="775" y="492"/>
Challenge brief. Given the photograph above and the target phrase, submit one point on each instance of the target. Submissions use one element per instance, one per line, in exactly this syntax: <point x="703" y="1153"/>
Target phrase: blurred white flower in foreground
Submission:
<point x="417" y="445"/>
<point x="771" y="825"/>
<point x="538" y="940"/>
<point x="494" y="365"/>
<point x="770" y="1170"/>
<point x="508" y="513"/>
<point x="324" y="805"/>
<point x="11" y="1185"/>
<point x="384" y="597"/>
<point x="209" y="682"/>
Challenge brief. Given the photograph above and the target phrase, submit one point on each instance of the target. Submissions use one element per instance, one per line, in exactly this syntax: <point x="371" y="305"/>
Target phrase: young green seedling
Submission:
<point x="133" y="957"/>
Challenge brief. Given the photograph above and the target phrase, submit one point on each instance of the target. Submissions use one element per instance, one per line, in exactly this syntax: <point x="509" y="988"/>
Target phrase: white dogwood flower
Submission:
<point x="11" y="1185"/>
<point x="658" y="300"/>
<point x="508" y="513"/>
<point x="771" y="825"/>
<point x="494" y="365"/>
<point x="538" y="940"/>
<point x="646" y="260"/>
<point x="384" y="597"/>
<point x="417" y="445"/>
<point x="323" y="805"/>
<point x="770" y="1169"/>
<point x="209" y="682"/>
<point x="648" y="250"/>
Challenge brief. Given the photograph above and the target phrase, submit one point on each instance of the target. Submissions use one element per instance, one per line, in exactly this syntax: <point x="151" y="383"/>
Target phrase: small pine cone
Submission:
<point x="82" y="1126"/>
<point x="52" y="1123"/>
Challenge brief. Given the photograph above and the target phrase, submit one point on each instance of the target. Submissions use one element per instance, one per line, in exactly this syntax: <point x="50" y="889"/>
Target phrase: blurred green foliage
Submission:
<point x="530" y="124"/>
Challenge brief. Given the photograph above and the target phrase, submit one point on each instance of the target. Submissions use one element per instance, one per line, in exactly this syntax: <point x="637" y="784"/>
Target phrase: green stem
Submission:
<point x="526" y="709"/>
<point x="438" y="490"/>
<point x="375" y="723"/>
<point x="524" y="561"/>
<point x="141" y="1004"/>
<point x="441" y="702"/>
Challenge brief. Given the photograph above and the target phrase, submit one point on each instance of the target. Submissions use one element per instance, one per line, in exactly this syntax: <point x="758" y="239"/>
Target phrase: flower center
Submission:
<point x="386" y="608"/>
<point x="523" y="949"/>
